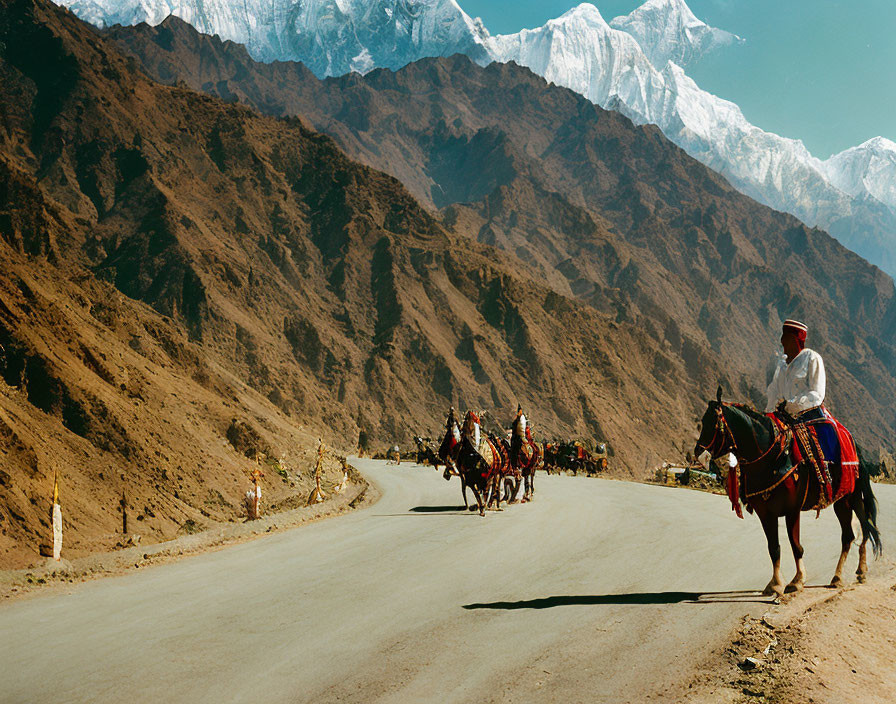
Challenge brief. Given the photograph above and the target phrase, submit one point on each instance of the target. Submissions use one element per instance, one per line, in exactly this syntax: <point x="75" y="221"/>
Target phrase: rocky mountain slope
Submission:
<point x="185" y="283"/>
<point x="581" y="51"/>
<point x="631" y="64"/>
<point x="607" y="212"/>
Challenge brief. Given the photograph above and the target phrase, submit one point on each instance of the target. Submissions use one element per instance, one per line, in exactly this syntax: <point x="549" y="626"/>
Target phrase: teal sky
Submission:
<point x="823" y="71"/>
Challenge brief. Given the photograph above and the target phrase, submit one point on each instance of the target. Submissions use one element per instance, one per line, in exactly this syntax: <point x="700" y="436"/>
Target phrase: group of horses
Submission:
<point x="495" y="470"/>
<point x="573" y="457"/>
<point x="492" y="467"/>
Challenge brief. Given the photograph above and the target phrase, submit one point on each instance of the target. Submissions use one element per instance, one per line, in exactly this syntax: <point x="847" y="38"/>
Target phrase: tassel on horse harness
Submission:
<point x="783" y="438"/>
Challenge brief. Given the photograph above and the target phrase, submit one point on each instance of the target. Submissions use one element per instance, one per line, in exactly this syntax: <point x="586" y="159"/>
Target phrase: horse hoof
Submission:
<point x="772" y="590"/>
<point x="793" y="587"/>
<point x="836" y="583"/>
<point x="860" y="578"/>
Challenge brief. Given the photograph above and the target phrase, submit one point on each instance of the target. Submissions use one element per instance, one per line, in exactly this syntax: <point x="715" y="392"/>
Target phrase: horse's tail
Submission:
<point x="869" y="503"/>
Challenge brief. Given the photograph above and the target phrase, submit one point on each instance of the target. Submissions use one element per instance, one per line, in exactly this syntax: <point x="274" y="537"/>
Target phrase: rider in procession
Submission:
<point x="518" y="435"/>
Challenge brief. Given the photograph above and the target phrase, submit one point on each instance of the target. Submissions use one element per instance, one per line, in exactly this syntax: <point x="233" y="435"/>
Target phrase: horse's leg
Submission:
<point x="496" y="483"/>
<point x="515" y="484"/>
<point x="792" y="520"/>
<point x="862" y="569"/>
<point x="843" y="509"/>
<point x="480" y="502"/>
<point x="858" y="506"/>
<point x="770" y="527"/>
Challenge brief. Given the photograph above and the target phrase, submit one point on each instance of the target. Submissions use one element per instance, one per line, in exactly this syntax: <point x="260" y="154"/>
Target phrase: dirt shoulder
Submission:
<point x="821" y="646"/>
<point x="55" y="576"/>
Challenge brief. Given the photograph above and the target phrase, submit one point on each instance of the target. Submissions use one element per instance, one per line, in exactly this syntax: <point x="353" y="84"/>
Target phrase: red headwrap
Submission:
<point x="798" y="329"/>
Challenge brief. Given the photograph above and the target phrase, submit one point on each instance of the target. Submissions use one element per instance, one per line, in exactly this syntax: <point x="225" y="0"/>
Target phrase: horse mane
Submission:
<point x="754" y="415"/>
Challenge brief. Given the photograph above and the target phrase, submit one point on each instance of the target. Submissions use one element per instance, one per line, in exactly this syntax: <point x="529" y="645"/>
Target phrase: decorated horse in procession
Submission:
<point x="425" y="454"/>
<point x="482" y="462"/>
<point x="525" y="454"/>
<point x="786" y="465"/>
<point x="449" y="451"/>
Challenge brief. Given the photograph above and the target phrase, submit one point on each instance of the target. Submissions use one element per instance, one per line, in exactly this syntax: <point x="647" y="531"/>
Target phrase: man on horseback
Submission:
<point x="796" y="396"/>
<point x="799" y="381"/>
<point x="796" y="457"/>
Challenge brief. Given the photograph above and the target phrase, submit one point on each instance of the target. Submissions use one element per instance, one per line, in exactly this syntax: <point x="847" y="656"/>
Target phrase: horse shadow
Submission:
<point x="428" y="511"/>
<point x="436" y="509"/>
<point x="635" y="598"/>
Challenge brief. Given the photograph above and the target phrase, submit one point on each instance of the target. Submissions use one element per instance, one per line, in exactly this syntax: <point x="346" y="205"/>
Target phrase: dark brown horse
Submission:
<point x="762" y="453"/>
<point x="509" y="478"/>
<point x="425" y="455"/>
<point x="449" y="450"/>
<point x="481" y="462"/>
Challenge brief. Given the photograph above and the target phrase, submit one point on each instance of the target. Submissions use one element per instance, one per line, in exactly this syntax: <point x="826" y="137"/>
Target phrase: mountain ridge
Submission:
<point x="522" y="150"/>
<point x="667" y="30"/>
<point x="582" y="51"/>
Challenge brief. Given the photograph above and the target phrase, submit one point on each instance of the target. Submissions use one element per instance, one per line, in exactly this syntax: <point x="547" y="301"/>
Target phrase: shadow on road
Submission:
<point x="429" y="511"/>
<point x="436" y="509"/>
<point x="549" y="602"/>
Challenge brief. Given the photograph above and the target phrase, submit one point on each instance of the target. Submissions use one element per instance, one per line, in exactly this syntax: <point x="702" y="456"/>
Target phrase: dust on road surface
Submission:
<point x="599" y="591"/>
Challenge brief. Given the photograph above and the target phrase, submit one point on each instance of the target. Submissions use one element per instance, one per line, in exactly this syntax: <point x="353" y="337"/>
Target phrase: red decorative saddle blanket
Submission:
<point x="825" y="445"/>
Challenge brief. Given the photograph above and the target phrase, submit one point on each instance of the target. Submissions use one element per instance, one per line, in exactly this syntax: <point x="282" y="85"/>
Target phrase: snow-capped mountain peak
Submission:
<point x="579" y="50"/>
<point x="667" y="30"/>
<point x="866" y="170"/>
<point x="584" y="11"/>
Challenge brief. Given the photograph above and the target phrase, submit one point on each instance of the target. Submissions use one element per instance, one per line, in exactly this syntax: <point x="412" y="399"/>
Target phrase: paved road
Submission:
<point x="598" y="591"/>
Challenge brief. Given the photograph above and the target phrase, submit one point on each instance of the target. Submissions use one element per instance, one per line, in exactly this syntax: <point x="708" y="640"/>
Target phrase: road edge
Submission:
<point x="51" y="577"/>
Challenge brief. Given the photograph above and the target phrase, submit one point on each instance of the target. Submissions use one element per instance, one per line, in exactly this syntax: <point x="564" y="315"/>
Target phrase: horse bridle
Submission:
<point x="727" y="435"/>
<point x="722" y="424"/>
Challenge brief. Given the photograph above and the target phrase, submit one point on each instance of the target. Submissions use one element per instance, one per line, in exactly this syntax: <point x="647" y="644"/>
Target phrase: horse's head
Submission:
<point x="471" y="420"/>
<point x="714" y="432"/>
<point x="452" y="436"/>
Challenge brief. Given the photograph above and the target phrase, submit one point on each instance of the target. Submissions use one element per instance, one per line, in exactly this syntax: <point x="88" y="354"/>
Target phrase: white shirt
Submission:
<point x="800" y="384"/>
